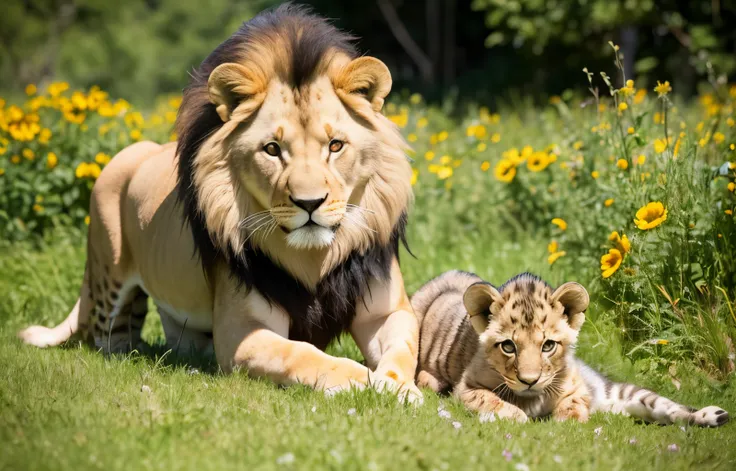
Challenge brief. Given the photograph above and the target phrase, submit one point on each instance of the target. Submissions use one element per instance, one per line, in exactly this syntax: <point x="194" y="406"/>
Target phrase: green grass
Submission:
<point x="73" y="408"/>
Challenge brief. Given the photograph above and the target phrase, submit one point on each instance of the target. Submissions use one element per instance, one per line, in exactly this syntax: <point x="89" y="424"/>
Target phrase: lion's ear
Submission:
<point x="574" y="299"/>
<point x="478" y="299"/>
<point x="230" y="84"/>
<point x="367" y="77"/>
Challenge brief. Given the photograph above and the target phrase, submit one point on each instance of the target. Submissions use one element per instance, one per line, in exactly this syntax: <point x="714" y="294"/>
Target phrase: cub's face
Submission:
<point x="305" y="158"/>
<point x="527" y="330"/>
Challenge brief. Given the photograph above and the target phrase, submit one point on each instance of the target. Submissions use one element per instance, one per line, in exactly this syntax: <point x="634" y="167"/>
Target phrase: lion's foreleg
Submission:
<point x="251" y="334"/>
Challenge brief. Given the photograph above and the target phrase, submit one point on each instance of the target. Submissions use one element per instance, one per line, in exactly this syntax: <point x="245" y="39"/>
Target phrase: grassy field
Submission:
<point x="73" y="408"/>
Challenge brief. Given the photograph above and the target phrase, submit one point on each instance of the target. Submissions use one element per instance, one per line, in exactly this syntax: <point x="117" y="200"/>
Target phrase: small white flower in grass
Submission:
<point x="444" y="414"/>
<point x="598" y="431"/>
<point x="287" y="458"/>
<point x="521" y="467"/>
<point x="192" y="371"/>
<point x="673" y="448"/>
<point x="507" y="455"/>
<point x="487" y="417"/>
<point x="457" y="424"/>
<point x="507" y="436"/>
<point x="632" y="441"/>
<point x="683" y="429"/>
<point x="314" y="408"/>
<point x="557" y="459"/>
<point x="146" y="389"/>
<point x="352" y="411"/>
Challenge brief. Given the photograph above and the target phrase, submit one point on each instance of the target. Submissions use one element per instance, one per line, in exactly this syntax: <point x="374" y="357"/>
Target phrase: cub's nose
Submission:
<point x="308" y="205"/>
<point x="529" y="381"/>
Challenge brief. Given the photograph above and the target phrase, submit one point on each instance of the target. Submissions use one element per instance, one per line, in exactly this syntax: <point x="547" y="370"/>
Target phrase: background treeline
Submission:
<point x="477" y="49"/>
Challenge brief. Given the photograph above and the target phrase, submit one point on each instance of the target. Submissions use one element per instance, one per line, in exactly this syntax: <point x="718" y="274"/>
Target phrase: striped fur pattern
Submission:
<point x="509" y="353"/>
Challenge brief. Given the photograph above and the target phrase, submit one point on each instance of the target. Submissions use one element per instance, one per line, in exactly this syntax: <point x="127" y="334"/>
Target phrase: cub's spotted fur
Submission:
<point x="510" y="352"/>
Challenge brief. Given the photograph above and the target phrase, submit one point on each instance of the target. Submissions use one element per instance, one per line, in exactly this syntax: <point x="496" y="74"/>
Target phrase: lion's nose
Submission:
<point x="308" y="205"/>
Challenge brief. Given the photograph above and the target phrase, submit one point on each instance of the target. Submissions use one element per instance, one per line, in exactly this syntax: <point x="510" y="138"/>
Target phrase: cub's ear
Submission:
<point x="478" y="299"/>
<point x="575" y="301"/>
<point x="366" y="77"/>
<point x="231" y="84"/>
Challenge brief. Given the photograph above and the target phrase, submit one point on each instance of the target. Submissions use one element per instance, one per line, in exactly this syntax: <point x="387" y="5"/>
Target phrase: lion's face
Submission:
<point x="529" y="331"/>
<point x="304" y="158"/>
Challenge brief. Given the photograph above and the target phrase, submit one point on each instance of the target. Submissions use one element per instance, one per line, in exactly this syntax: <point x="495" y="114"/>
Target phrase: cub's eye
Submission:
<point x="335" y="146"/>
<point x="548" y="346"/>
<point x="508" y="346"/>
<point x="272" y="149"/>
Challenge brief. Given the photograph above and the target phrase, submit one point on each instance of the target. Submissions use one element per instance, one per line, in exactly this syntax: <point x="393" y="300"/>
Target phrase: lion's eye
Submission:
<point x="508" y="346"/>
<point x="548" y="346"/>
<point x="272" y="149"/>
<point x="335" y="145"/>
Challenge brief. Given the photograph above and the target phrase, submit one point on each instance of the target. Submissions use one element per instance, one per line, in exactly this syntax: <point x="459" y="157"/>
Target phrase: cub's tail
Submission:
<point x="628" y="399"/>
<point x="43" y="337"/>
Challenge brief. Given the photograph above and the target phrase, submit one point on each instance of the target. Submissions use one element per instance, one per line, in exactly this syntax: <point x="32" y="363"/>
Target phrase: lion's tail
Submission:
<point x="43" y="337"/>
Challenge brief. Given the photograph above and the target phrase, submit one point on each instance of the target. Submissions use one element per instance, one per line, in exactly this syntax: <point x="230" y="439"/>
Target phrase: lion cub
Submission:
<point x="509" y="352"/>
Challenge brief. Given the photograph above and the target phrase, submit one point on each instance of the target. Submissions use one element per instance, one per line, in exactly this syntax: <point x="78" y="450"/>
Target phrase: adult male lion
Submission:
<point x="294" y="189"/>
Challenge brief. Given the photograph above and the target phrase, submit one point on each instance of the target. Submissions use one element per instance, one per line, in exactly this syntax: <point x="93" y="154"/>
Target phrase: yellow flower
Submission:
<point x="37" y="208"/>
<point x="677" y="147"/>
<point x="51" y="160"/>
<point x="623" y="164"/>
<point x="729" y="212"/>
<point x="631" y="130"/>
<point x="86" y="220"/>
<point x="718" y="137"/>
<point x="28" y="154"/>
<point x="650" y="216"/>
<point x="412" y="137"/>
<point x="560" y="223"/>
<point x="731" y="122"/>
<point x="662" y="89"/>
<point x="136" y="135"/>
<point x="553" y="246"/>
<point x="85" y="170"/>
<point x="102" y="158"/>
<point x="628" y="89"/>
<point x="554" y="256"/>
<point x="608" y="202"/>
<point x="429" y="155"/>
<point x="45" y="136"/>
<point x="399" y="119"/>
<point x="610" y="262"/>
<point x="595" y="174"/>
<point x="2" y="172"/>
<point x="415" y="99"/>
<point x="485" y="166"/>
<point x="577" y="145"/>
<point x="555" y="100"/>
<point x="481" y="147"/>
<point x="442" y="136"/>
<point x="414" y="176"/>
<point x="731" y="186"/>
<point x="15" y="159"/>
<point x="496" y="138"/>
<point x="57" y="88"/>
<point x="641" y="159"/>
<point x="662" y="341"/>
<point x="641" y="94"/>
<point x="660" y="145"/>
<point x="445" y="159"/>
<point x="505" y="171"/>
<point x="31" y="89"/>
<point x="422" y="123"/>
<point x="444" y="173"/>
<point x="621" y="242"/>
<point x="622" y="106"/>
<point x="538" y="161"/>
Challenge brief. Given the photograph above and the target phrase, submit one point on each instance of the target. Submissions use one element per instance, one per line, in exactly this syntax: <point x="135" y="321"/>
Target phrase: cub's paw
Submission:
<point x="710" y="416"/>
<point x="405" y="392"/>
<point x="508" y="411"/>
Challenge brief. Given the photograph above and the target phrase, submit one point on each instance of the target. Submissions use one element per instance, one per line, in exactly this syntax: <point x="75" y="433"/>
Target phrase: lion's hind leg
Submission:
<point x="118" y="315"/>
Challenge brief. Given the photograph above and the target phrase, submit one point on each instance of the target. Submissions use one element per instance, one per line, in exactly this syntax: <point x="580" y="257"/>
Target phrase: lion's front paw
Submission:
<point x="581" y="414"/>
<point x="406" y="392"/>
<point x="345" y="375"/>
